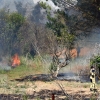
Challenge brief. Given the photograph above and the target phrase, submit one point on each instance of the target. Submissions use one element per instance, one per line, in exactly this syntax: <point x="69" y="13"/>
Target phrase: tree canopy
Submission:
<point x="63" y="26"/>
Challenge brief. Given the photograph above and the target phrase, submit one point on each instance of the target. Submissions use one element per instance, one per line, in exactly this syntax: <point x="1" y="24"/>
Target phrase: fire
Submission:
<point x="73" y="53"/>
<point x="15" y="60"/>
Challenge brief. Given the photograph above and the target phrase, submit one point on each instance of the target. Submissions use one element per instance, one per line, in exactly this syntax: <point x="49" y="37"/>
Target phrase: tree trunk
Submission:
<point x="60" y="60"/>
<point x="99" y="72"/>
<point x="56" y="72"/>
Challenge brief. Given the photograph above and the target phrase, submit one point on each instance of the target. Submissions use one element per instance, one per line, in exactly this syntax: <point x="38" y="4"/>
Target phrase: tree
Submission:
<point x="90" y="15"/>
<point x="3" y="31"/>
<point x="34" y="37"/>
<point x="86" y="16"/>
<point x="64" y="39"/>
<point x="16" y="20"/>
<point x="10" y="24"/>
<point x="19" y="35"/>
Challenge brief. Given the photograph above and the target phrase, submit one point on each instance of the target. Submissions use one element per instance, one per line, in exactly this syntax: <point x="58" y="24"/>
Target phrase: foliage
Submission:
<point x="57" y="22"/>
<point x="86" y="15"/>
<point x="52" y="67"/>
<point x="28" y="67"/>
<point x="67" y="38"/>
<point x="90" y="7"/>
<point x="10" y="23"/>
<point x="90" y="11"/>
<point x="60" y="29"/>
<point x="44" y="5"/>
<point x="16" y="20"/>
<point x="19" y="35"/>
<point x="95" y="60"/>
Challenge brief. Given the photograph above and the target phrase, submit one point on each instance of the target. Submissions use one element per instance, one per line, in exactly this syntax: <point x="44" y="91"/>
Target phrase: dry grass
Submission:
<point x="38" y="89"/>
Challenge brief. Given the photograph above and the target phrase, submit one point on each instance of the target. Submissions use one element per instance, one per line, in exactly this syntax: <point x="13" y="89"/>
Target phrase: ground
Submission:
<point x="40" y="87"/>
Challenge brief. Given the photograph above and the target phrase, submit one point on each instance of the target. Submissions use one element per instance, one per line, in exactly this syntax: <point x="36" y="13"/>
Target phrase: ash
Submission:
<point x="70" y="76"/>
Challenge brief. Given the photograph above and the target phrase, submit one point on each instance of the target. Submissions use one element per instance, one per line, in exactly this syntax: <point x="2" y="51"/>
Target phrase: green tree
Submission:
<point x="15" y="21"/>
<point x="95" y="61"/>
<point x="10" y="24"/>
<point x="65" y="39"/>
<point x="86" y="16"/>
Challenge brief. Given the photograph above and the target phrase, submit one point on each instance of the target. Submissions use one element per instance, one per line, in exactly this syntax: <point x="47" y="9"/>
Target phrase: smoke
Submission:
<point x="88" y="46"/>
<point x="4" y="64"/>
<point x="49" y="2"/>
<point x="92" y="42"/>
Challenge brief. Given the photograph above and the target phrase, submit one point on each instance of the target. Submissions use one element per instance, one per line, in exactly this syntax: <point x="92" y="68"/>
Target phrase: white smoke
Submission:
<point x="4" y="64"/>
<point x="49" y="2"/>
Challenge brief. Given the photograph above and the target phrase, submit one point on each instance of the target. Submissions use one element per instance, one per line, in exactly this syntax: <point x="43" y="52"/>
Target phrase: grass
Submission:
<point x="27" y="67"/>
<point x="85" y="86"/>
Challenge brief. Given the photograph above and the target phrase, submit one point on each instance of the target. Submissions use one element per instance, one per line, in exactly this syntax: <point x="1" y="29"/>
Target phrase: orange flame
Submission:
<point x="15" y="60"/>
<point x="73" y="53"/>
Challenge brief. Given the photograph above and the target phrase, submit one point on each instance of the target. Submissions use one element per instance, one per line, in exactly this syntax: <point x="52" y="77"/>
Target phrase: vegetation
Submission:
<point x="29" y="66"/>
<point x="89" y="17"/>
<point x="86" y="14"/>
<point x="66" y="34"/>
<point x="32" y="42"/>
<point x="36" y="43"/>
<point x="19" y="35"/>
<point x="10" y="24"/>
<point x="95" y="61"/>
<point x="93" y="8"/>
<point x="65" y="39"/>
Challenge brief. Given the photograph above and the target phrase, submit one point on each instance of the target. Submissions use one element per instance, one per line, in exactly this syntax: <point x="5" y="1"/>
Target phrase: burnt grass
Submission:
<point x="36" y="77"/>
<point x="47" y="77"/>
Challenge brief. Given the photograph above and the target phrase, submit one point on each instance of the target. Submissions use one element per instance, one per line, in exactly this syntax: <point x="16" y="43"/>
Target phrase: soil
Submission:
<point x="37" y="87"/>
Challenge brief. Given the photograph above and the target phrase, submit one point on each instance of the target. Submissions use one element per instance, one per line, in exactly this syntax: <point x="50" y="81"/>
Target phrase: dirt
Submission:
<point x="73" y="90"/>
<point x="37" y="87"/>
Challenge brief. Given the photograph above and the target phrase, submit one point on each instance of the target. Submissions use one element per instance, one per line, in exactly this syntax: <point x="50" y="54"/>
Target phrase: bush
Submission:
<point x="95" y="60"/>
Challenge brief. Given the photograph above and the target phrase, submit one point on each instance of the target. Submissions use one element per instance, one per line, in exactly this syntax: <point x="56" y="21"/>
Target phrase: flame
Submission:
<point x="15" y="60"/>
<point x="73" y="53"/>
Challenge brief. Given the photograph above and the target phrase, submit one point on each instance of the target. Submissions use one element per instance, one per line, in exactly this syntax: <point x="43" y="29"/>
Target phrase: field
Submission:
<point x="32" y="82"/>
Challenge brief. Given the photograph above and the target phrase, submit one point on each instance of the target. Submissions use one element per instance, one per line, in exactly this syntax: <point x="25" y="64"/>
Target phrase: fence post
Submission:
<point x="53" y="96"/>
